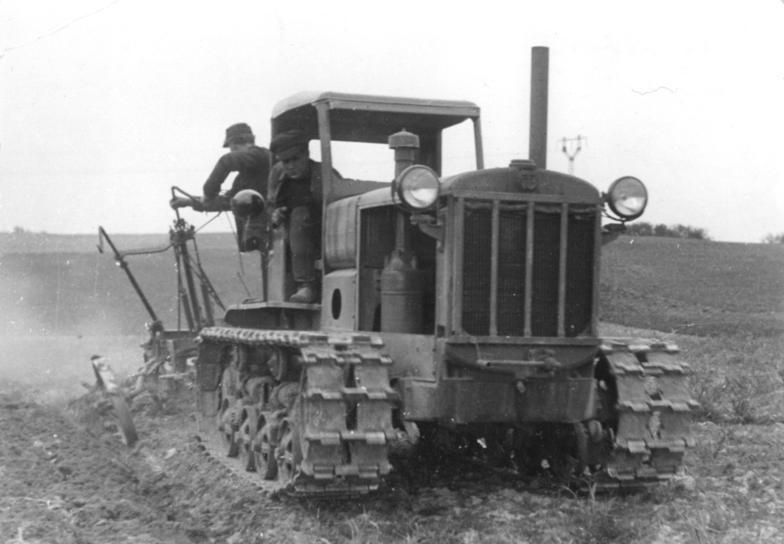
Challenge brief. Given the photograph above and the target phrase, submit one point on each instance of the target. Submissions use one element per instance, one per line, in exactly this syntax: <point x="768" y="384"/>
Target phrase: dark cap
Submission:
<point x="289" y="140"/>
<point x="238" y="131"/>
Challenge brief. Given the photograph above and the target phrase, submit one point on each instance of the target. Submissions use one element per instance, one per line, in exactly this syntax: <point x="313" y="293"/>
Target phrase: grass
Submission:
<point x="738" y="380"/>
<point x="694" y="287"/>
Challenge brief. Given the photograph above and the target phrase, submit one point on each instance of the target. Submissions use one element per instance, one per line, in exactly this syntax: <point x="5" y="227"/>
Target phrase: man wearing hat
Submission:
<point x="295" y="193"/>
<point x="252" y="164"/>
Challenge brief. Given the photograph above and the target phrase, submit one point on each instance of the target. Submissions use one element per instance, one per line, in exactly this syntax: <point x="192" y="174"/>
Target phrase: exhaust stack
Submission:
<point x="537" y="138"/>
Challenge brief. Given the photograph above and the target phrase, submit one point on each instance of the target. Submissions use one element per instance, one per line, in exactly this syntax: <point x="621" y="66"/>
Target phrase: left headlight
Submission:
<point x="627" y="197"/>
<point x="417" y="187"/>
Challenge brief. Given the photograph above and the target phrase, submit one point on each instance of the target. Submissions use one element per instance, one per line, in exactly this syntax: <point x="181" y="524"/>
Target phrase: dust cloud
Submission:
<point x="51" y="365"/>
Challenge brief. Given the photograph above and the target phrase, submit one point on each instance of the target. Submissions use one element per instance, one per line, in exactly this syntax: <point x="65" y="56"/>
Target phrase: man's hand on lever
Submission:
<point x="201" y="204"/>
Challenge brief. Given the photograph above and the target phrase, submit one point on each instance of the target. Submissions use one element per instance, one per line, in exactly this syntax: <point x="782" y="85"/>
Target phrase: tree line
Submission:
<point x="773" y="238"/>
<point x="642" y="228"/>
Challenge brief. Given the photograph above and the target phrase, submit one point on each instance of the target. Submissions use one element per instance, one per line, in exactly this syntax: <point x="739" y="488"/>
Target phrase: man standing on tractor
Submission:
<point x="295" y="194"/>
<point x="252" y="164"/>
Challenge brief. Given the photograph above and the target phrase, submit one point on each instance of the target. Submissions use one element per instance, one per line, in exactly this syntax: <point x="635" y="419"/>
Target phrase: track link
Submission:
<point x="333" y="439"/>
<point x="653" y="409"/>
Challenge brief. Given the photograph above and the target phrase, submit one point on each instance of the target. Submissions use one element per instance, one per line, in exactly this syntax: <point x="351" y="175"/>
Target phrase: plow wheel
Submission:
<point x="288" y="454"/>
<point x="264" y="454"/>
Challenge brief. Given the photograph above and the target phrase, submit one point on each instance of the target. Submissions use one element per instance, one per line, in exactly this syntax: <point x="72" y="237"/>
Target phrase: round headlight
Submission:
<point x="418" y="187"/>
<point x="627" y="197"/>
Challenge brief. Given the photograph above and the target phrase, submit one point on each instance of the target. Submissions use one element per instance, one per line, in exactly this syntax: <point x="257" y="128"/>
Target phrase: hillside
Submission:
<point x="694" y="286"/>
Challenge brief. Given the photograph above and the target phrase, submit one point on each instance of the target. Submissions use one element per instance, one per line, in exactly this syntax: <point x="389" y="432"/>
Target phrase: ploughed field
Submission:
<point x="66" y="477"/>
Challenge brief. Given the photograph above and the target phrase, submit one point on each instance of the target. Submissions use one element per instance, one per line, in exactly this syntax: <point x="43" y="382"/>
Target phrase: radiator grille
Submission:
<point x="504" y="311"/>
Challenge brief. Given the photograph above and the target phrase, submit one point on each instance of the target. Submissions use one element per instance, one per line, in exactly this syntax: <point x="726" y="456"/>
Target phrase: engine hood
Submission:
<point x="521" y="180"/>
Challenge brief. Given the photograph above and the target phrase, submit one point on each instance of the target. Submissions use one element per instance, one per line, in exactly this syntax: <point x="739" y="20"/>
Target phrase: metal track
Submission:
<point x="215" y="449"/>
<point x="339" y="428"/>
<point x="653" y="409"/>
<point x="334" y="438"/>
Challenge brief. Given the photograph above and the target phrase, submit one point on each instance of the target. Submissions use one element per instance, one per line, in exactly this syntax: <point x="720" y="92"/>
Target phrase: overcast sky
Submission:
<point x="105" y="104"/>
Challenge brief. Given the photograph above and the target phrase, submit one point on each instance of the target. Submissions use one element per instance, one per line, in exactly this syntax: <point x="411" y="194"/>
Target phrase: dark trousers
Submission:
<point x="304" y="243"/>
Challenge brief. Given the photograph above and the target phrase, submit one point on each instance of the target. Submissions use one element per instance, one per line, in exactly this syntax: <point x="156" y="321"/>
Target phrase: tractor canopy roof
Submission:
<point x="368" y="118"/>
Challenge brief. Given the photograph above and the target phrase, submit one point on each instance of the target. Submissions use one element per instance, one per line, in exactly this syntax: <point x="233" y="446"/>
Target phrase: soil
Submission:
<point x="67" y="477"/>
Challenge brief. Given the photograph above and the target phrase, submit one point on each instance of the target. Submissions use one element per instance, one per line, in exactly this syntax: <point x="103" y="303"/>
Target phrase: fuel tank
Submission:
<point x="402" y="290"/>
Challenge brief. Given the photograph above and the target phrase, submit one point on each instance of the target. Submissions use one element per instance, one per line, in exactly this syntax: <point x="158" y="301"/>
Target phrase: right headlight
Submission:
<point x="627" y="197"/>
<point x="417" y="187"/>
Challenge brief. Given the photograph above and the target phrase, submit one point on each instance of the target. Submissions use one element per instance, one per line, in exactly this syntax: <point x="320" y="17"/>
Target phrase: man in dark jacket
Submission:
<point x="295" y="194"/>
<point x="252" y="164"/>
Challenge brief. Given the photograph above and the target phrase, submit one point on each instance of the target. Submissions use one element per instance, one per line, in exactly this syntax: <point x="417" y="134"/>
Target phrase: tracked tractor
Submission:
<point x="464" y="305"/>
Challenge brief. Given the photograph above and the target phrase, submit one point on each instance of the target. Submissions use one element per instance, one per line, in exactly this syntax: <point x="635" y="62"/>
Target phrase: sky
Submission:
<point x="107" y="104"/>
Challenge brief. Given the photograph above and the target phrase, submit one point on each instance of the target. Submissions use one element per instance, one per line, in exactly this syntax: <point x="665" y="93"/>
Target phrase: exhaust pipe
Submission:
<point x="537" y="136"/>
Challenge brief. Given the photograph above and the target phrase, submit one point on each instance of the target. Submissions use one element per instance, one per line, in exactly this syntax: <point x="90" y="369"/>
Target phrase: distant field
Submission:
<point x="34" y="242"/>
<point x="694" y="286"/>
<point x="48" y="289"/>
<point x="60" y="283"/>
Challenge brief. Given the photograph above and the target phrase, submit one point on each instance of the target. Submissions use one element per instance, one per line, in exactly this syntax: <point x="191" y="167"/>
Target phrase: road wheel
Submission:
<point x="264" y="454"/>
<point x="226" y="418"/>
<point x="245" y="437"/>
<point x="288" y="454"/>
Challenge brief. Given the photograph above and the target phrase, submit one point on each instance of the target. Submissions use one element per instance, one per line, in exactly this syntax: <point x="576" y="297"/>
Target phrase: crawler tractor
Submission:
<point x="463" y="306"/>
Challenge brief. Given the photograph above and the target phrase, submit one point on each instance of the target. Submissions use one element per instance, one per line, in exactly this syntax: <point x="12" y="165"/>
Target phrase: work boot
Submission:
<point x="305" y="294"/>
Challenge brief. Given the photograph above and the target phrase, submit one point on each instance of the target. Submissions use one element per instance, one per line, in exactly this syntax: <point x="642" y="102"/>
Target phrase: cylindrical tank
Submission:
<point x="402" y="289"/>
